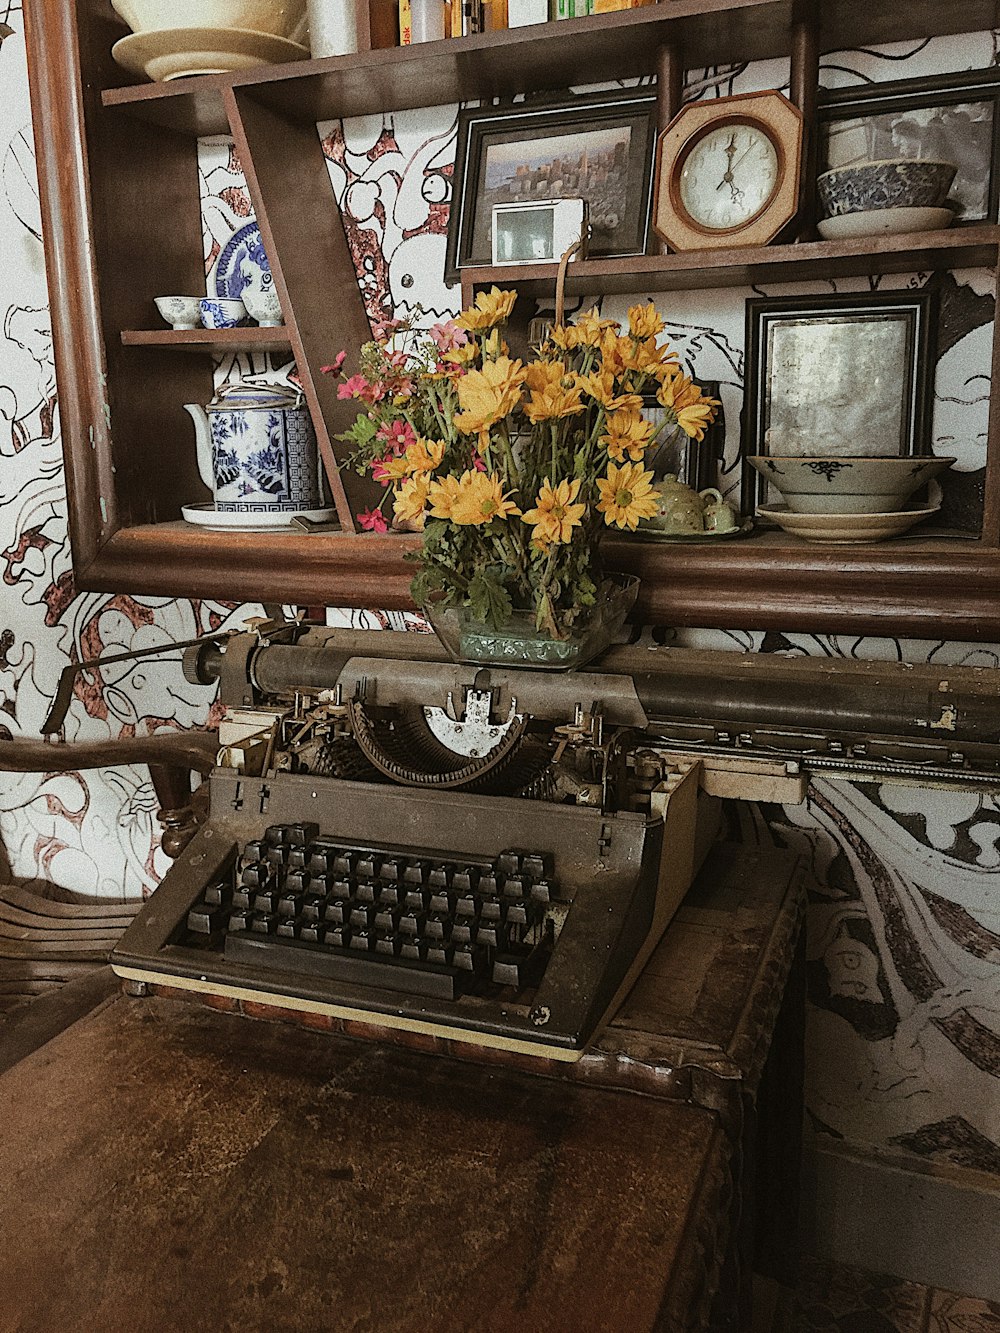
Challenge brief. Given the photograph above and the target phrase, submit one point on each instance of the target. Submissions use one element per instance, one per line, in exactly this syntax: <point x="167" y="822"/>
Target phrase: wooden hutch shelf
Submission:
<point x="216" y="341"/>
<point x="115" y="160"/>
<point x="965" y="247"/>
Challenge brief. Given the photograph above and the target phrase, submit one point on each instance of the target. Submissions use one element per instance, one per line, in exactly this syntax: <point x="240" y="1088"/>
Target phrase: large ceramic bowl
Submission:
<point x="847" y="485"/>
<point x="898" y="183"/>
<point x="280" y="18"/>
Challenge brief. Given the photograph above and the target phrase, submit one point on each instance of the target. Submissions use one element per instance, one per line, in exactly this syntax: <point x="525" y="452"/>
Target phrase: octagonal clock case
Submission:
<point x="727" y="172"/>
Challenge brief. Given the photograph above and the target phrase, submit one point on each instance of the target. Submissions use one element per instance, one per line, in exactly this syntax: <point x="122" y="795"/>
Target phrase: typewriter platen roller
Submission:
<point x="492" y="854"/>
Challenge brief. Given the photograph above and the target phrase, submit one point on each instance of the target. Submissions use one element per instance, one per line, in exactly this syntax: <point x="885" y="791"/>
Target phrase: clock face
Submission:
<point x="728" y="176"/>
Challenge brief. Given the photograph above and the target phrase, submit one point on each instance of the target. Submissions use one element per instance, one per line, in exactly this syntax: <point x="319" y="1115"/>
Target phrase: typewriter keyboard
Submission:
<point x="300" y="902"/>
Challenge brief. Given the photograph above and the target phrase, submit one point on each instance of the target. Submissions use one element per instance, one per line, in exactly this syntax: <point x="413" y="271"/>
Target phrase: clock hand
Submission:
<point x="730" y="150"/>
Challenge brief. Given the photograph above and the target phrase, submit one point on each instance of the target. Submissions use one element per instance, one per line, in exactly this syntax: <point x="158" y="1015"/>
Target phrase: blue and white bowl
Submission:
<point x="897" y="183"/>
<point x="842" y="485"/>
<point x="220" y="313"/>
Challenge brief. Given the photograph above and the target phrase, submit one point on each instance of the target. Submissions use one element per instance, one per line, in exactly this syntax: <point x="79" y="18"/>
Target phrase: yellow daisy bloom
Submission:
<point x="441" y="496"/>
<point x="646" y="357"/>
<point x="462" y="356"/>
<point x="488" y="395"/>
<point x="410" y="501"/>
<point x="627" y="433"/>
<point x="553" y="392"/>
<point x="590" y="327"/>
<point x="490" y="308"/>
<point x="424" y="456"/>
<point x="627" y="495"/>
<point x="693" y="420"/>
<point x="644" y="322"/>
<point x="564" y="336"/>
<point x="601" y="387"/>
<point x="480" y="499"/>
<point x="555" y="514"/>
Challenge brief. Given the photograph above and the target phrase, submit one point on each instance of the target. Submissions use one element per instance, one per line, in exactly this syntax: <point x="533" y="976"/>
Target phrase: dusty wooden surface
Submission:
<point x="165" y="1167"/>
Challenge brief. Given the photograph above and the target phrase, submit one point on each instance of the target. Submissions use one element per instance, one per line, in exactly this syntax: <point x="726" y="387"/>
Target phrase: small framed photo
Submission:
<point x="596" y="147"/>
<point x="538" y="233"/>
<point x="946" y="118"/>
<point x="836" y="376"/>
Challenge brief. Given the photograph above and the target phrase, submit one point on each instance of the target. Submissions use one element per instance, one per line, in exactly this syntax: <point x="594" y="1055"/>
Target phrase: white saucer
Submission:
<point x="884" y="222"/>
<point x="175" y="53"/>
<point x="207" y="516"/>
<point x="845" y="527"/>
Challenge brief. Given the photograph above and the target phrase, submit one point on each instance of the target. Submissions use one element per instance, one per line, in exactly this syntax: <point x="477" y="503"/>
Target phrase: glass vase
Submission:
<point x="520" y="644"/>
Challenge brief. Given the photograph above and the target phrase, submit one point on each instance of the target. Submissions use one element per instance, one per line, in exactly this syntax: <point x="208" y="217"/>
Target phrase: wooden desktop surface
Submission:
<point x="165" y="1167"/>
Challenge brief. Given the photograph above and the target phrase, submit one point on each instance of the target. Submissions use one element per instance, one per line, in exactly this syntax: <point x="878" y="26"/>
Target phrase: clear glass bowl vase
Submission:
<point x="520" y="644"/>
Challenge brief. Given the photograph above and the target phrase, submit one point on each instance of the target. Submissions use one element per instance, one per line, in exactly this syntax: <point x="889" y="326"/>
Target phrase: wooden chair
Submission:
<point x="55" y="935"/>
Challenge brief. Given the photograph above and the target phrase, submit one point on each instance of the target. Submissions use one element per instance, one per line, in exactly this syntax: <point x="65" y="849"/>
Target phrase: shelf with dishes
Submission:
<point x="126" y="516"/>
<point x="919" y="252"/>
<point x="544" y="56"/>
<point x="215" y="341"/>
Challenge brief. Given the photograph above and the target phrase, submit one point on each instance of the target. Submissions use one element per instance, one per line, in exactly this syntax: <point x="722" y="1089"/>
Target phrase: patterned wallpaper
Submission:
<point x="904" y="919"/>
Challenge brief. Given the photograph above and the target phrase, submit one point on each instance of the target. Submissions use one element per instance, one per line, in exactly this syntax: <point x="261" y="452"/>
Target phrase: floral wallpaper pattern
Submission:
<point x="904" y="917"/>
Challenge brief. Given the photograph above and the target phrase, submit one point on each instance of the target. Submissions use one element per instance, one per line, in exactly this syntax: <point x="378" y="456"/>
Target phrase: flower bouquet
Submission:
<point x="512" y="471"/>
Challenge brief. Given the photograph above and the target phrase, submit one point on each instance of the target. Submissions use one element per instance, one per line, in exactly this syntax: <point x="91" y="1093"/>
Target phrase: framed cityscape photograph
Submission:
<point x="837" y="376"/>
<point x="597" y="147"/>
<point x="946" y="118"/>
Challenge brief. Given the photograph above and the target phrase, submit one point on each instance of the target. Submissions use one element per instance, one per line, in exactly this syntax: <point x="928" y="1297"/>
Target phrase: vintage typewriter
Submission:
<point x="490" y="853"/>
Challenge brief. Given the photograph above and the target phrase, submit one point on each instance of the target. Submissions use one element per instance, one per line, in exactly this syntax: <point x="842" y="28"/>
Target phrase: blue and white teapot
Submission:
<point x="257" y="450"/>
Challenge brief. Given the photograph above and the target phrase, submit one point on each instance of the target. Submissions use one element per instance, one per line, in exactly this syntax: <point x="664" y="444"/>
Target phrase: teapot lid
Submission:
<point x="239" y="395"/>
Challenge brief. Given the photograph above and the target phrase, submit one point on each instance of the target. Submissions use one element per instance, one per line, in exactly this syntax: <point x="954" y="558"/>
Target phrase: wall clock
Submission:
<point x="727" y="172"/>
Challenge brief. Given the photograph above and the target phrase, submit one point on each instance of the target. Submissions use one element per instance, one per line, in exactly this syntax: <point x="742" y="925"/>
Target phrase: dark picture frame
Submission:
<point x="949" y="117"/>
<point x="501" y="154"/>
<point x="841" y="375"/>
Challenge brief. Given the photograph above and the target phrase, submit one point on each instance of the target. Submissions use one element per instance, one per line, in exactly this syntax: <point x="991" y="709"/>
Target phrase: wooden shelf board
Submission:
<point x="964" y="247"/>
<point x="210" y="340"/>
<point x="770" y="581"/>
<point x="544" y="56"/>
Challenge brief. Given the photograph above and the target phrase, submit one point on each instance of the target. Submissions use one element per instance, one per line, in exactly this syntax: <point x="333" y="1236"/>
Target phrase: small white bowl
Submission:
<point x="219" y="312"/>
<point x="180" y="312"/>
<point x="263" y="305"/>
<point x="839" y="485"/>
<point x="280" y="18"/>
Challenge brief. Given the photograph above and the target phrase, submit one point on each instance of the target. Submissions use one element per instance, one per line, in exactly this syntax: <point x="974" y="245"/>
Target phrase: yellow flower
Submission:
<point x="601" y="387"/>
<point x="488" y="395"/>
<point x="441" y="496"/>
<point x="480" y="499"/>
<point x="627" y="433"/>
<point x="494" y="346"/>
<point x="424" y="456"/>
<point x="462" y="356"/>
<point x="565" y="336"/>
<point x="646" y="357"/>
<point x="590" y="327"/>
<point x="492" y="307"/>
<point x="627" y="495"/>
<point x="687" y="404"/>
<point x="644" y="322"/>
<point x="555" y="514"/>
<point x="410" y="501"/>
<point x="392" y="469"/>
<point x="693" y="420"/>
<point x="553" y="392"/>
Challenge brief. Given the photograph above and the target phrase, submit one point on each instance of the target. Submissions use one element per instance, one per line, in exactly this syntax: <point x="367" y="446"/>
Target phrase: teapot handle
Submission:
<point x="710" y="490"/>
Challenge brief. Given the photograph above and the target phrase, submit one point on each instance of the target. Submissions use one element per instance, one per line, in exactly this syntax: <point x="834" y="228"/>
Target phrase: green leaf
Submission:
<point x="488" y="599"/>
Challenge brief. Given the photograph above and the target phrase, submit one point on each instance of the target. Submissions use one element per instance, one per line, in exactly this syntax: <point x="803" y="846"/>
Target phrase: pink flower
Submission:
<point x="355" y="387"/>
<point x="398" y="435"/>
<point x="373" y="520"/>
<point x="387" y="328"/>
<point x="448" y="335"/>
<point x="478" y="464"/>
<point x="334" y="367"/>
<point x="379" y="472"/>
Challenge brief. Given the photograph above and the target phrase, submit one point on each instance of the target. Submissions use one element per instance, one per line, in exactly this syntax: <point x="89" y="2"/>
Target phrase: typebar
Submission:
<point x="397" y="974"/>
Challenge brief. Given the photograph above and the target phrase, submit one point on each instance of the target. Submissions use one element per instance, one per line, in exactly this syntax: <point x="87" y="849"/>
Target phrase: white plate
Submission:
<point x="845" y="527"/>
<point x="176" y="53"/>
<point x="884" y="222"/>
<point x="207" y="516"/>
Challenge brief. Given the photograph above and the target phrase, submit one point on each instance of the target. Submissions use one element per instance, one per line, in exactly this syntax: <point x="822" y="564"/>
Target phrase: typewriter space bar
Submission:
<point x="356" y="968"/>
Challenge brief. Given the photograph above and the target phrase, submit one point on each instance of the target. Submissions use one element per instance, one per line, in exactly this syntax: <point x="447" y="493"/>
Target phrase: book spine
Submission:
<point x="405" y="23"/>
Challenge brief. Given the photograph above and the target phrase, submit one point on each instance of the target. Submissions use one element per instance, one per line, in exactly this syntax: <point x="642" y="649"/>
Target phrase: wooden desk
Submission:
<point x="231" y="1174"/>
<point x="167" y="1168"/>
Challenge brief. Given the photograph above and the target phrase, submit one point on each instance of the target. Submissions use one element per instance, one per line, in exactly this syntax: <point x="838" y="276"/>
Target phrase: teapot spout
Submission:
<point x="203" y="442"/>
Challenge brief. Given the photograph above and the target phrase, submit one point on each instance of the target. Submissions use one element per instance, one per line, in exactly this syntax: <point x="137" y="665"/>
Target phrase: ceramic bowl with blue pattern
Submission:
<point x="899" y="183"/>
